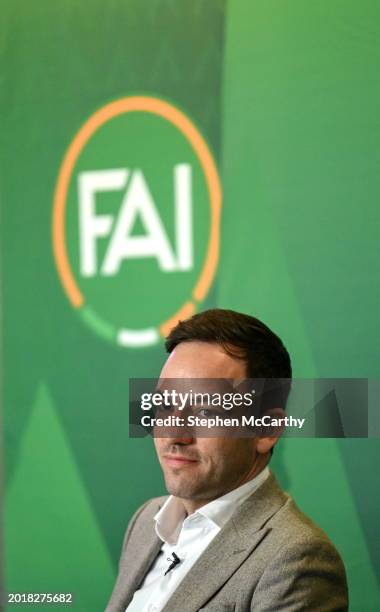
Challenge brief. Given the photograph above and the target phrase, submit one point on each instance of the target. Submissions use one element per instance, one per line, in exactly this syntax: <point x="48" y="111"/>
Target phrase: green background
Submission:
<point x="287" y="95"/>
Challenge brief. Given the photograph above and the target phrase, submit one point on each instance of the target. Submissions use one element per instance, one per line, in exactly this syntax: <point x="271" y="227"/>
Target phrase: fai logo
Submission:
<point x="136" y="220"/>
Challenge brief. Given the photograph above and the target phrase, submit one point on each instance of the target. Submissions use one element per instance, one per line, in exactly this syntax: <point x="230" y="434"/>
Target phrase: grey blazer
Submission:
<point x="268" y="556"/>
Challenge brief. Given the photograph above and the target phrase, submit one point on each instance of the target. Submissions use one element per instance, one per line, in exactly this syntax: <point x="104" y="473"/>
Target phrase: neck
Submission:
<point x="192" y="505"/>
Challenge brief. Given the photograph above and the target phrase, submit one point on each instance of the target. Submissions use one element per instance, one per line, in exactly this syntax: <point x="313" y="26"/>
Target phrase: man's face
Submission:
<point x="204" y="468"/>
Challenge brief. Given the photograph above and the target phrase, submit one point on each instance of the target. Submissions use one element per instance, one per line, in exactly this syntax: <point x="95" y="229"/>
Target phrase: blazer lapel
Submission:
<point x="132" y="574"/>
<point x="229" y="549"/>
<point x="142" y="561"/>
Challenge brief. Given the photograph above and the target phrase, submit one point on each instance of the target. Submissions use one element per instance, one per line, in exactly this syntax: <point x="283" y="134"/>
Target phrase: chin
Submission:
<point x="181" y="490"/>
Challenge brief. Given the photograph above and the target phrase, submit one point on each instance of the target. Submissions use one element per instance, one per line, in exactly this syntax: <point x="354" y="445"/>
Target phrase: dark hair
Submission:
<point x="241" y="336"/>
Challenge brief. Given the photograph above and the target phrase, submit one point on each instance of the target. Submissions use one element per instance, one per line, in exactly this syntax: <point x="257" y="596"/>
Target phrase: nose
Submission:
<point x="176" y="429"/>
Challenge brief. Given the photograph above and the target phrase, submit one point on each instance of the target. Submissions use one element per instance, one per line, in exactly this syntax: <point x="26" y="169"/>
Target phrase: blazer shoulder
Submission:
<point x="298" y="548"/>
<point x="303" y="569"/>
<point x="295" y="523"/>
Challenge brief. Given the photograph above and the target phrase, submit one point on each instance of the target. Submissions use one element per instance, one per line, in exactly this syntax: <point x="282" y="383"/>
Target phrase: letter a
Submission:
<point x="138" y="200"/>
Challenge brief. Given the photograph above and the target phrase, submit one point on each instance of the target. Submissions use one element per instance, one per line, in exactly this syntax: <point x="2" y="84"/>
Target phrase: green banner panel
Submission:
<point x="158" y="158"/>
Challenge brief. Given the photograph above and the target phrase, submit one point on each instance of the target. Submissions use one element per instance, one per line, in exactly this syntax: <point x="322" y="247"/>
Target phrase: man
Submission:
<point x="227" y="537"/>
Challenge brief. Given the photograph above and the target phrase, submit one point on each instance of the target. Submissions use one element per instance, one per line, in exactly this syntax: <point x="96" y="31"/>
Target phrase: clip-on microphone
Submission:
<point x="173" y="562"/>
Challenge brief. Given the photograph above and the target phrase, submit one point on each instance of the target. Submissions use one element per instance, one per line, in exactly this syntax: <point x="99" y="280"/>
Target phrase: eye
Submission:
<point x="165" y="408"/>
<point x="206" y="412"/>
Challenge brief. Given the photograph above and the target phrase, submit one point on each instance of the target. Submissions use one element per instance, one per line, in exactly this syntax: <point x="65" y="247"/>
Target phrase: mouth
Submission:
<point x="178" y="461"/>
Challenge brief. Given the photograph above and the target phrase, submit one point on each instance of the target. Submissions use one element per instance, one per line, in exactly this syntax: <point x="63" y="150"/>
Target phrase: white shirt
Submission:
<point x="188" y="537"/>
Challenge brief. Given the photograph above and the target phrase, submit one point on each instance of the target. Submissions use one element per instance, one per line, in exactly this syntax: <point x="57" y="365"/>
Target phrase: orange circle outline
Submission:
<point x="185" y="126"/>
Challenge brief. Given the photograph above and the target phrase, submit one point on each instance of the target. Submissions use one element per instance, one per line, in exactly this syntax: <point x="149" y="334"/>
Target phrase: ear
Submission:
<point x="270" y="434"/>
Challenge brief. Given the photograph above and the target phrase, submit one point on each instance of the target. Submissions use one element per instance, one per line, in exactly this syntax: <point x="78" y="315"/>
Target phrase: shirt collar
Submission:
<point x="169" y="519"/>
